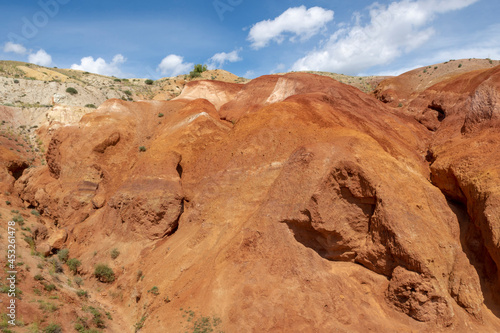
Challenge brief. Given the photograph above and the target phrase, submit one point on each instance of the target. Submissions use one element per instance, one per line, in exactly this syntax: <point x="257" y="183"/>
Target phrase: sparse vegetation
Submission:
<point x="142" y="149"/>
<point x="154" y="291"/>
<point x="53" y="328"/>
<point x="197" y="70"/>
<point x="73" y="265"/>
<point x="201" y="324"/>
<point x="79" y="281"/>
<point x="63" y="255"/>
<point x="160" y="115"/>
<point x="49" y="287"/>
<point x="96" y="317"/>
<point x="115" y="253"/>
<point x="47" y="306"/>
<point x="92" y="106"/>
<point x="56" y="265"/>
<point x="149" y="82"/>
<point x="140" y="324"/>
<point x="205" y="324"/>
<point x="104" y="273"/>
<point x="71" y="91"/>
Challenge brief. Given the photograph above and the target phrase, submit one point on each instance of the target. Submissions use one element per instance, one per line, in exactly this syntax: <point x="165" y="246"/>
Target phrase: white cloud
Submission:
<point x="15" y="48"/>
<point x="391" y="32"/>
<point x="250" y="74"/>
<point x="41" y="58"/>
<point x="100" y="66"/>
<point x="298" y="21"/>
<point x="219" y="59"/>
<point x="278" y="69"/>
<point x="173" y="65"/>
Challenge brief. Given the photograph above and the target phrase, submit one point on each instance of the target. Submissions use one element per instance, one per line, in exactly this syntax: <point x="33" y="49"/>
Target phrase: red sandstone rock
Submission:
<point x="315" y="211"/>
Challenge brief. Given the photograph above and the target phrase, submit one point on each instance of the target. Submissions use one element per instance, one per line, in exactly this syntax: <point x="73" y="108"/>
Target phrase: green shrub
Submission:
<point x="82" y="293"/>
<point x="92" y="106"/>
<point x="197" y="70"/>
<point x="97" y="317"/>
<point x="38" y="277"/>
<point x="140" y="324"/>
<point x="63" y="255"/>
<point x="18" y="219"/>
<point x="117" y="80"/>
<point x="56" y="264"/>
<point x="149" y="82"/>
<point x="71" y="91"/>
<point x="142" y="148"/>
<point x="16" y="81"/>
<point x="128" y="92"/>
<point x="194" y="74"/>
<point x="53" y="328"/>
<point x="160" y="115"/>
<point x="47" y="306"/>
<point x="204" y="324"/>
<point x="154" y="291"/>
<point x="73" y="265"/>
<point x="49" y="287"/>
<point x="104" y="273"/>
<point x="115" y="253"/>
<point x="459" y="65"/>
<point x="79" y="281"/>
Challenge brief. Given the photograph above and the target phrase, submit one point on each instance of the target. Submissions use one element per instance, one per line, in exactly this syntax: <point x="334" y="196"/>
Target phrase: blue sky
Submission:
<point x="153" y="39"/>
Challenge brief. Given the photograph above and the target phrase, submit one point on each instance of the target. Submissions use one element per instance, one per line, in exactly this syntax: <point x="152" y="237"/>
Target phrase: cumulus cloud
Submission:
<point x="219" y="59"/>
<point x="14" y="48"/>
<point x="297" y="21"/>
<point x="100" y="66"/>
<point x="41" y="58"/>
<point x="392" y="31"/>
<point x="173" y="65"/>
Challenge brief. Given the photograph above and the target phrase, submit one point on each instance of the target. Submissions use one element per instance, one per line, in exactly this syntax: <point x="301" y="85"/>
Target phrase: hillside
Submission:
<point x="287" y="203"/>
<point x="399" y="90"/>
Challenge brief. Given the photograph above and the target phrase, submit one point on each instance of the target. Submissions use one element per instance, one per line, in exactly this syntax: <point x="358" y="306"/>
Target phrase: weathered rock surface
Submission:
<point x="320" y="209"/>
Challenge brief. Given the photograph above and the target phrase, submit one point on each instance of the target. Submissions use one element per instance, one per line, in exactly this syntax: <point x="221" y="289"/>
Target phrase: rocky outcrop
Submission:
<point x="318" y="208"/>
<point x="216" y="92"/>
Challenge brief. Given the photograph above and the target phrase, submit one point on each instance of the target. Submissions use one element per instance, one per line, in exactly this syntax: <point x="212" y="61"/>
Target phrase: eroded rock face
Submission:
<point x="149" y="207"/>
<point x="316" y="210"/>
<point x="484" y="109"/>
<point x="418" y="296"/>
